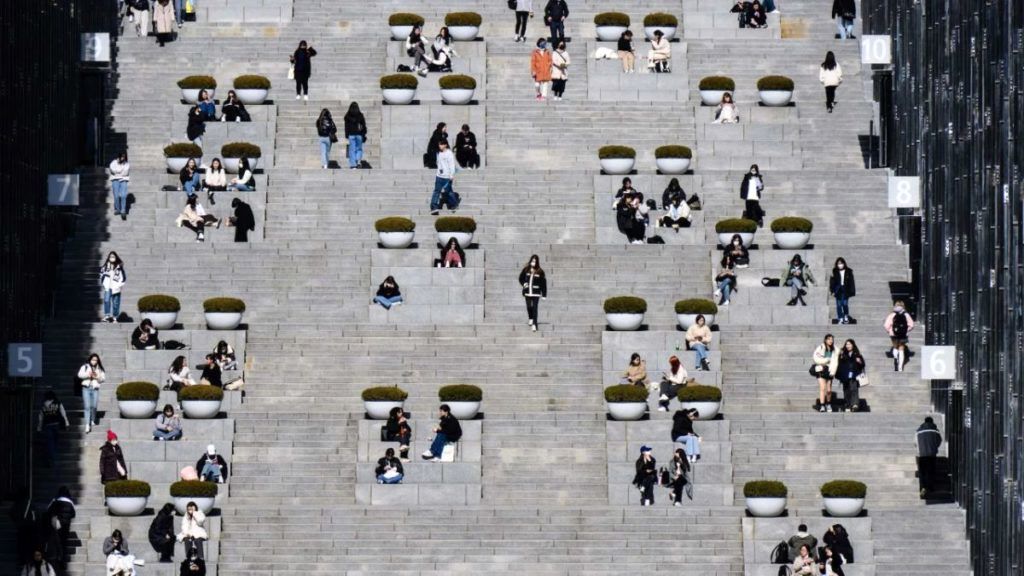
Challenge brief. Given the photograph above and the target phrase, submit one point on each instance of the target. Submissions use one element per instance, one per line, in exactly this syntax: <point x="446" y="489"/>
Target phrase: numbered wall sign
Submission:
<point x="25" y="360"/>
<point x="95" y="47"/>
<point x="876" y="49"/>
<point x="938" y="363"/>
<point x="62" y="189"/>
<point x="904" y="191"/>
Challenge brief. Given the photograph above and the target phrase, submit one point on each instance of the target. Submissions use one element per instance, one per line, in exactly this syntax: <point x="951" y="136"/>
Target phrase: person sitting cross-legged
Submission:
<point x="389" y="469"/>
<point x="447" y="430"/>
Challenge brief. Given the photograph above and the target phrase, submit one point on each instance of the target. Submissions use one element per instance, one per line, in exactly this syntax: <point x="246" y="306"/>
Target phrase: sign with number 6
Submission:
<point x="904" y="191"/>
<point x="938" y="363"/>
<point x="25" y="360"/>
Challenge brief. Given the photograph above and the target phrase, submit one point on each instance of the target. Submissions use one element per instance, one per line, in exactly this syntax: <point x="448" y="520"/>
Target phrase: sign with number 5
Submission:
<point x="25" y="360"/>
<point x="938" y="363"/>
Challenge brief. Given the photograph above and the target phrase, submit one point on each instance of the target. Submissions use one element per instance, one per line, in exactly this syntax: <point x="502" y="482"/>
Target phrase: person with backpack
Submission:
<point x="52" y="419"/>
<point x="355" y="132"/>
<point x="524" y="11"/>
<point x="844" y="12"/>
<point x="898" y="325"/>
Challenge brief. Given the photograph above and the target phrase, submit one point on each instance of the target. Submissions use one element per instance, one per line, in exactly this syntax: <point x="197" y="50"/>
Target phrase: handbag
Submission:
<point x="511" y="4"/>
<point x="334" y="137"/>
<point x="863" y="380"/>
<point x="448" y="454"/>
<point x="817" y="371"/>
<point x="291" y="72"/>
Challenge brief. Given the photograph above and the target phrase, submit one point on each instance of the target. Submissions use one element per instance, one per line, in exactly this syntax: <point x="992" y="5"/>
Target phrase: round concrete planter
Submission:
<point x="672" y="165"/>
<point x="396" y="239"/>
<point x="127" y="505"/>
<point x="792" y="240"/>
<point x="687" y="320"/>
<point x="399" y="96"/>
<point x="457" y="95"/>
<point x="464" y="238"/>
<point x="231" y="164"/>
<point x="766" y="507"/>
<point x="708" y="410"/>
<point x="711" y="97"/>
<point x="668" y="31"/>
<point x="201" y="409"/>
<point x="252" y="95"/>
<point x="725" y="237"/>
<point x="776" y="97"/>
<point x="617" y="165"/>
<point x="161" y="320"/>
<point x="627" y="410"/>
<point x="176" y="164"/>
<point x="191" y="95"/>
<point x="464" y="410"/>
<point x="223" y="320"/>
<point x="380" y="409"/>
<point x="610" y="33"/>
<point x="844" y="507"/>
<point x="204" y="504"/>
<point x="136" y="408"/>
<point x="402" y="32"/>
<point x="464" y="33"/>
<point x="624" y="322"/>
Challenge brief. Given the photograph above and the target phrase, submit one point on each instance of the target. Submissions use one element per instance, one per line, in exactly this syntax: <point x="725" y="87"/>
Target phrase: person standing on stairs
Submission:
<point x="824" y="369"/>
<point x="112" y="464"/>
<point x="679" y="476"/>
<point x="112" y="279"/>
<point x="443" y="180"/>
<point x="555" y="13"/>
<point x="302" y="66"/>
<point x="243" y="220"/>
<point x="119" y="175"/>
<point x="540" y="69"/>
<point x="91" y="375"/>
<point x="844" y="12"/>
<point x="163" y="18"/>
<point x="52" y="419"/>
<point x="797" y="276"/>
<point x="843" y="287"/>
<point x="851" y="369"/>
<point x="161" y="533"/>
<point x="898" y="325"/>
<point x="327" y="133"/>
<point x="559" y="70"/>
<point x="524" y="11"/>
<point x="433" y="145"/>
<point x="355" y="133"/>
<point x="646" y="475"/>
<point x="929" y="440"/>
<point x="698" y="338"/>
<point x="535" y="289"/>
<point x="831" y="76"/>
<point x="751" y="189"/>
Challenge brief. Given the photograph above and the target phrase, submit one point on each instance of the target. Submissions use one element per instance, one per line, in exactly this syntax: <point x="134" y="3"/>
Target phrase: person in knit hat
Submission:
<point x="212" y="467"/>
<point x="112" y="465"/>
<point x="646" y="475"/>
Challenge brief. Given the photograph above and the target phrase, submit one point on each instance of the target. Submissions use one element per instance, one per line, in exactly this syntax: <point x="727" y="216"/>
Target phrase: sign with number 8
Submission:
<point x="904" y="191"/>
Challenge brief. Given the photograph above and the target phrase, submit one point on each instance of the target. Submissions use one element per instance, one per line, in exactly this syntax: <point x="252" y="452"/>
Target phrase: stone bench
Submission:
<point x="470" y="59"/>
<point x="139" y="545"/>
<point x="213" y="431"/>
<point x="198" y="343"/>
<point x="404" y="495"/>
<point x="430" y="295"/>
<point x="761" y="535"/>
<point x="608" y="83"/>
<point x="244" y="11"/>
<point x="370" y="447"/>
<point x="654" y="346"/>
<point x="406" y="130"/>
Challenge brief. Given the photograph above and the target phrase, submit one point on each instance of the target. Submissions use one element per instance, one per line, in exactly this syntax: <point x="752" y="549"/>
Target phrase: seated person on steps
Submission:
<point x="212" y="467"/>
<point x="726" y="111"/>
<point x="232" y="110"/>
<point x="145" y="336"/>
<point x="672" y="191"/>
<point x="797" y="275"/>
<point x="725" y="281"/>
<point x="682" y="432"/>
<point x="698" y="338"/>
<point x="660" y="54"/>
<point x="397" y="429"/>
<point x="800" y="539"/>
<point x="388" y="293"/>
<point x="389" y="469"/>
<point x="646" y="476"/>
<point x="636" y="372"/>
<point x="671" y="381"/>
<point x="452" y="255"/>
<point x="678" y="215"/>
<point x="167" y="425"/>
<point x="448" y="430"/>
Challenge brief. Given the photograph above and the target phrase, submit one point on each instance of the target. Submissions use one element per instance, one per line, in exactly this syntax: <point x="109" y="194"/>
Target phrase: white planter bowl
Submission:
<point x="617" y="165"/>
<point x="223" y="320"/>
<point x="396" y="239"/>
<point x="136" y="408"/>
<point x="464" y="238"/>
<point x="127" y="506"/>
<point x="191" y="95"/>
<point x="161" y="320"/>
<point x="610" y="33"/>
<point x="464" y="410"/>
<point x="401" y="32"/>
<point x="687" y="320"/>
<point x="380" y="409"/>
<point x="707" y="410"/>
<point x="624" y="322"/>
<point x="792" y="240"/>
<point x="252" y="95"/>
<point x="766" y="507"/>
<point x="231" y="164"/>
<point x="457" y="95"/>
<point x="672" y="165"/>
<point x="204" y="504"/>
<point x="201" y="409"/>
<point x="844" y="507"/>
<point x="711" y="97"/>
<point x="399" y="95"/>
<point x="668" y="31"/>
<point x="464" y="33"/>
<point x="775" y="97"/>
<point x="175" y="164"/>
<point x="725" y="237"/>
<point x="627" y="410"/>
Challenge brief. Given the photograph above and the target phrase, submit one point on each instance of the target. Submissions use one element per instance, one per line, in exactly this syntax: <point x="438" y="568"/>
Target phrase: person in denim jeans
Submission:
<point x="388" y="294"/>
<point x="245" y="182"/>
<point x="698" y="337"/>
<point x="167" y="425"/>
<point x="841" y="284"/>
<point x="389" y="469"/>
<point x="443" y="180"/>
<point x="327" y="133"/>
<point x="52" y="418"/>
<point x="92" y="375"/>
<point x="844" y="12"/>
<point x="448" y="430"/>
<point x="119" y="172"/>
<point x="112" y="280"/>
<point x="190" y="177"/>
<point x="212" y="467"/>
<point x="355" y="132"/>
<point x="726" y="281"/>
<point x="683" y="433"/>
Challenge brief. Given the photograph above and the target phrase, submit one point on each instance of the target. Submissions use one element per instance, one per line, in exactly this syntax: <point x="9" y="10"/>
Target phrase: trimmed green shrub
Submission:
<point x="252" y="82"/>
<point x="200" y="392"/>
<point x="717" y="83"/>
<point x="126" y="489"/>
<point x="183" y="150"/>
<point x="625" y="393"/>
<point x="696" y="306"/>
<point x="765" y="489"/>
<point x="735" y="225"/>
<point x="457" y="82"/>
<point x="197" y="82"/>
<point x="612" y="19"/>
<point x="699" y="393"/>
<point x="792" y="224"/>
<point x="775" y="83"/>
<point x="398" y="82"/>
<point x="844" y="489"/>
<point x="660" y="19"/>
<point x="463" y="19"/>
<point x="673" y="151"/>
<point x="385" y="394"/>
<point x="223" y="304"/>
<point x="405" y="19"/>
<point x="159" y="303"/>
<point x="612" y="151"/>
<point x="460" y="393"/>
<point x="193" y="489"/>
<point x="625" y="305"/>
<point x="455" y="224"/>
<point x="138" y="391"/>
<point x="240" y="150"/>
<point x="394" y="224"/>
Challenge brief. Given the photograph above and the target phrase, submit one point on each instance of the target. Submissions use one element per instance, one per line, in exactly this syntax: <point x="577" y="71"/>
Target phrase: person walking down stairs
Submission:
<point x="91" y="375"/>
<point x="555" y="13"/>
<point x="112" y="279"/>
<point x="843" y="287"/>
<point x="751" y="189"/>
<point x="302" y="69"/>
<point x="831" y="76"/>
<point x="52" y="419"/>
<point x="540" y="69"/>
<point x="443" y="180"/>
<point x="826" y="365"/>
<point x="119" y="175"/>
<point x="535" y="289"/>
<point x="898" y="325"/>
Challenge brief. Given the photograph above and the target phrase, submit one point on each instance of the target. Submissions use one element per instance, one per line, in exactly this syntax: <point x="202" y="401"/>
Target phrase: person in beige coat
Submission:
<point x="163" y="20"/>
<point x="698" y="338"/>
<point x="559" y="70"/>
<point x="826" y="364"/>
<point x="660" y="53"/>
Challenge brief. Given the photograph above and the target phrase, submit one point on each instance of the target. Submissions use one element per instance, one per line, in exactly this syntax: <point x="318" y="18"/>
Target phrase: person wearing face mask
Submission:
<point x="540" y="69"/>
<point x="851" y="367"/>
<point x="672" y="380"/>
<point x="559" y="70"/>
<point x="535" y="288"/>
<point x="898" y="325"/>
<point x="91" y="375"/>
<point x="112" y="465"/>
<point x="119" y="170"/>
<point x="750" y="191"/>
<point x="52" y="419"/>
<point x="112" y="279"/>
<point x="738" y="252"/>
<point x="302" y="65"/>
<point x="842" y="287"/>
<point x="797" y="276"/>
<point x="646" y="475"/>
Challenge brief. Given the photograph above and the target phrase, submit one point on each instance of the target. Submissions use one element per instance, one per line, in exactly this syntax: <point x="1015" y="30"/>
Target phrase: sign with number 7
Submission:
<point x="62" y="189"/>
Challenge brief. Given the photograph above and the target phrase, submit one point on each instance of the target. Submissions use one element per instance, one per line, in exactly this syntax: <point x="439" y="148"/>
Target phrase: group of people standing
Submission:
<point x="355" y="134"/>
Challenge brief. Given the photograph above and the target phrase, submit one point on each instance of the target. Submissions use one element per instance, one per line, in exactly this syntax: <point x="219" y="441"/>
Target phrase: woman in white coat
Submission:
<point x="112" y="279"/>
<point x="831" y="76"/>
<point x="192" y="533"/>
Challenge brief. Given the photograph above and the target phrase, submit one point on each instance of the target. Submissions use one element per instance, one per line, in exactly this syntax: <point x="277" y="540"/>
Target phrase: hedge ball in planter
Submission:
<point x="610" y="25"/>
<point x="463" y="26"/>
<point x="126" y="497"/>
<point x="792" y="232"/>
<point x="398" y="89"/>
<point x="461" y="228"/>
<point x="233" y="152"/>
<point x="379" y="401"/>
<point x="223" y="313"/>
<point x="765" y="498"/>
<point x="204" y="494"/>
<point x="626" y="401"/>
<point x="667" y="23"/>
<point x="688" y="310"/>
<point x="844" y="498"/>
<point x="712" y="88"/>
<point x="617" y="159"/>
<point x="463" y="399"/>
<point x="775" y="90"/>
<point x="729" y="227"/>
<point x="673" y="159"/>
<point x="137" y="399"/>
<point x="201" y="402"/>
<point x="395" y="231"/>
<point x="624" y="313"/>
<point x="160" y="309"/>
<point x="252" y="88"/>
<point x="707" y="400"/>
<point x="191" y="86"/>
<point x="177" y="155"/>
<point x="457" y="88"/>
<point x="402" y="23"/>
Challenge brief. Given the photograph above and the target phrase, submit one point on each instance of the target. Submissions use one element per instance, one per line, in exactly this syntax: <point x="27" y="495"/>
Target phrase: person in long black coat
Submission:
<point x="243" y="220"/>
<point x="196" y="126"/>
<point x="302" y="61"/>
<point x="646" y="475"/>
<point x="433" y="146"/>
<point x="465" y="148"/>
<point x="161" y="532"/>
<point x="59" y="515"/>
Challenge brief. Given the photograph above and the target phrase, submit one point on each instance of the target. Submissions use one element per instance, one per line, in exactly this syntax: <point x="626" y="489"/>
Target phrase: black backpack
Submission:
<point x="511" y="4"/>
<point x="899" y="325"/>
<point x="780" y="554"/>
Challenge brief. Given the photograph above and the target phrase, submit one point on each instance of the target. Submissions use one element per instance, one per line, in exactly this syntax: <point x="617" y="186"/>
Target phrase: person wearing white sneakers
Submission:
<point x="559" y="70"/>
<point x="524" y="11"/>
<point x="448" y="430"/>
<point x="646" y="475"/>
<point x="91" y="375"/>
<point x="112" y="279"/>
<point x="682" y="432"/>
<point x="302" y="64"/>
<point x="679" y="476"/>
<point x="898" y="325"/>
<point x="535" y="288"/>
<point x="540" y="68"/>
<point x="672" y="380"/>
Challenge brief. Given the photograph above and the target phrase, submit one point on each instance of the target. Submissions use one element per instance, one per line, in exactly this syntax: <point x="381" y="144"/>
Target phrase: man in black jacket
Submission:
<point x="447" y="430"/>
<point x="929" y="439"/>
<point x="243" y="220"/>
<point x="844" y="12"/>
<point x="555" y="13"/>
